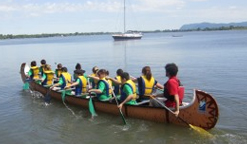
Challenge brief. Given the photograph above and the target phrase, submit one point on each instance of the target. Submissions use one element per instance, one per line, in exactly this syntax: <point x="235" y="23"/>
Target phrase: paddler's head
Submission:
<point x="125" y="77"/>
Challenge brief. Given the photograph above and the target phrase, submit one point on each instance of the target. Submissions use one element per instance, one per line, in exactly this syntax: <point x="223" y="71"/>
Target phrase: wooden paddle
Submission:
<point x="120" y="111"/>
<point x="198" y="129"/>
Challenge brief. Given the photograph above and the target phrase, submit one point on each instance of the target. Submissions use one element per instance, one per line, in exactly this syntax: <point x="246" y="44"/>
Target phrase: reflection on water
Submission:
<point x="212" y="61"/>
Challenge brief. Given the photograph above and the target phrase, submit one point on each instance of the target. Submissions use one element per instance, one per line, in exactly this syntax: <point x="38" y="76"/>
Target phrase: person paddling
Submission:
<point x="128" y="91"/>
<point x="33" y="73"/>
<point x="117" y="82"/>
<point x="103" y="87"/>
<point x="48" y="76"/>
<point x="172" y="90"/>
<point x="64" y="80"/>
<point x="94" y="82"/>
<point x="146" y="83"/>
<point x="41" y="68"/>
<point x="80" y="83"/>
<point x="77" y="67"/>
<point x="58" y="72"/>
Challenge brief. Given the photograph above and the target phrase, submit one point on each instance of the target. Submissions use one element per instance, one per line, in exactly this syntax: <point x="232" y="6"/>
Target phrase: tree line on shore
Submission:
<point x="11" y="36"/>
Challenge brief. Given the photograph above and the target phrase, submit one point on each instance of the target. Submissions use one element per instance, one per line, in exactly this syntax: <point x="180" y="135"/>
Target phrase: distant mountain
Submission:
<point x="211" y="25"/>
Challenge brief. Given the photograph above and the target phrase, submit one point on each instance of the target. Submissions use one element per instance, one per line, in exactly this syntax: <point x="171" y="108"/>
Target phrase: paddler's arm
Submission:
<point x="57" y="84"/>
<point x="129" y="93"/>
<point x="176" y="98"/>
<point x="29" y="73"/>
<point x="93" y="77"/>
<point x="73" y="84"/>
<point x="99" y="90"/>
<point x="115" y="81"/>
<point x="130" y="97"/>
<point x="160" y="86"/>
<point x="43" y="77"/>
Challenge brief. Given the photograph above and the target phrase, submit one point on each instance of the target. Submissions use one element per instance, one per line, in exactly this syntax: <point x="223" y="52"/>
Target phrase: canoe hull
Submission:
<point x="202" y="111"/>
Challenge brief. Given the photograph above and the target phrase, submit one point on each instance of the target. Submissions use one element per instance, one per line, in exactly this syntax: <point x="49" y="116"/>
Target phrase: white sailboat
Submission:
<point x="129" y="35"/>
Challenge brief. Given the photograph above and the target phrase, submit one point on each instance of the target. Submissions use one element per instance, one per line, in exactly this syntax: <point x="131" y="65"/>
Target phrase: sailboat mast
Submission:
<point x="124" y="16"/>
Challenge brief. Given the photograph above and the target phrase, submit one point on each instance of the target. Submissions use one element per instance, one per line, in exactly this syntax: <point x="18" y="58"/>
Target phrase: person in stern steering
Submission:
<point x="33" y="73"/>
<point x="173" y="91"/>
<point x="103" y="87"/>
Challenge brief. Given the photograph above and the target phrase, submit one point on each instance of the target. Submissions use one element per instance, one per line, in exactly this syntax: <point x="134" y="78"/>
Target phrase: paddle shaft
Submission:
<point x="120" y="111"/>
<point x="169" y="110"/>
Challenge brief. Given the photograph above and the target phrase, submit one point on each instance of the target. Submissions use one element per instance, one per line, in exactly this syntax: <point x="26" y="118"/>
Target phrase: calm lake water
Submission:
<point x="215" y="62"/>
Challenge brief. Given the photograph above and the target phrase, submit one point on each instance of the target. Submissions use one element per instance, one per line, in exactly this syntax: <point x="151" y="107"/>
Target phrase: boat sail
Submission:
<point x="127" y="35"/>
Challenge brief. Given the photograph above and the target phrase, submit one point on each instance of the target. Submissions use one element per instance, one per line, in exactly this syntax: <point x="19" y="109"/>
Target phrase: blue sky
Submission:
<point x="69" y="16"/>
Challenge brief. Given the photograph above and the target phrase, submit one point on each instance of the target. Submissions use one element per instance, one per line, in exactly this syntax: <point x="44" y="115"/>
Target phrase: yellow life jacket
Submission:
<point x="35" y="72"/>
<point x="133" y="87"/>
<point x="66" y="79"/>
<point x="83" y="84"/>
<point x="49" y="77"/>
<point x="117" y="88"/>
<point x="110" y="86"/>
<point x="148" y="85"/>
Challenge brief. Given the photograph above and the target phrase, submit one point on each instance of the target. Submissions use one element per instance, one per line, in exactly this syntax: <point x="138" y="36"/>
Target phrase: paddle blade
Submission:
<point x="48" y="97"/>
<point x="201" y="131"/>
<point x="91" y="108"/>
<point x="26" y="86"/>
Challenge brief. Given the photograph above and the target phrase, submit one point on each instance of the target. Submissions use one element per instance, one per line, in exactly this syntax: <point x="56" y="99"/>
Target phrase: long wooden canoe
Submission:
<point x="202" y="111"/>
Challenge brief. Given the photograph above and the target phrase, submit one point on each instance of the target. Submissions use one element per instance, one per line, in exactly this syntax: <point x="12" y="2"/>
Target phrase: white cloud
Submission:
<point x="108" y="6"/>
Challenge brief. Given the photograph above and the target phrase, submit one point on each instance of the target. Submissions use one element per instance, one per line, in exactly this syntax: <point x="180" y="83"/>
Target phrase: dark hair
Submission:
<point x="147" y="72"/>
<point x="43" y="61"/>
<point x="95" y="69"/>
<point x="107" y="72"/>
<point x="125" y="75"/>
<point x="119" y="72"/>
<point x="33" y="63"/>
<point x="79" y="72"/>
<point x="102" y="71"/>
<point x="171" y="69"/>
<point x="64" y="69"/>
<point x="78" y="66"/>
<point x="59" y="66"/>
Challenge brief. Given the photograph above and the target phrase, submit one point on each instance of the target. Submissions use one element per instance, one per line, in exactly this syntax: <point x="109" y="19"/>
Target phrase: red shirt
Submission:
<point x="172" y="88"/>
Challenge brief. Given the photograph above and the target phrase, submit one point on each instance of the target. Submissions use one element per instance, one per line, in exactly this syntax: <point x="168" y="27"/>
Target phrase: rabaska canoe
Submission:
<point x="202" y="111"/>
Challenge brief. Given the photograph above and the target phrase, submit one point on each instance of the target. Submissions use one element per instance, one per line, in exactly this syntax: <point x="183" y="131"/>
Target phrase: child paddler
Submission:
<point x="77" y="67"/>
<point x="116" y="82"/>
<point x="58" y="72"/>
<point x="80" y="83"/>
<point x="48" y="76"/>
<point x="41" y="68"/>
<point x="64" y="81"/>
<point x="128" y="91"/>
<point x="146" y="83"/>
<point x="103" y="87"/>
<point x="33" y="73"/>
<point x="94" y="82"/>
